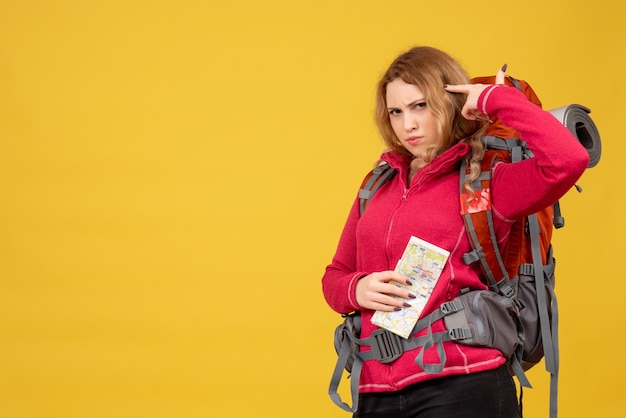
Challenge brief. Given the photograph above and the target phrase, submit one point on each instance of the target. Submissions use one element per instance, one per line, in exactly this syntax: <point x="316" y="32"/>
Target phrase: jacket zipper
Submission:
<point x="417" y="183"/>
<point x="403" y="198"/>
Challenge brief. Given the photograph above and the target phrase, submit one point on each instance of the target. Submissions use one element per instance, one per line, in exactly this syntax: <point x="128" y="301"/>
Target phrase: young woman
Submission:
<point x="431" y="119"/>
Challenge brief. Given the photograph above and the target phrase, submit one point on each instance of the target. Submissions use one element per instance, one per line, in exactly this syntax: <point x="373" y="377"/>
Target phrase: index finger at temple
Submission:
<point x="457" y="88"/>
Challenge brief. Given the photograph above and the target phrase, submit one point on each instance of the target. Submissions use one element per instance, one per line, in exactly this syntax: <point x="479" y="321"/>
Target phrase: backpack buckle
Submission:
<point x="386" y="346"/>
<point x="451" y="307"/>
<point x="460" y="334"/>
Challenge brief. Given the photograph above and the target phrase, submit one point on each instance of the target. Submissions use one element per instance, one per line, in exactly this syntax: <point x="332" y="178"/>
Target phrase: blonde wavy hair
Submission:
<point x="429" y="69"/>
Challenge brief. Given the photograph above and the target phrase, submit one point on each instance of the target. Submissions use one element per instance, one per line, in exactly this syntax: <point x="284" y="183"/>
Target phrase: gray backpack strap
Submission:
<point x="432" y="340"/>
<point x="503" y="284"/>
<point x="437" y="339"/>
<point x="347" y="344"/>
<point x="357" y="365"/>
<point x="380" y="175"/>
<point x="549" y="329"/>
<point x="518" y="369"/>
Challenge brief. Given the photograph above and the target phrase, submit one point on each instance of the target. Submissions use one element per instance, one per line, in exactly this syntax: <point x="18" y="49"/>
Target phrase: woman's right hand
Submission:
<point x="470" y="110"/>
<point x="376" y="292"/>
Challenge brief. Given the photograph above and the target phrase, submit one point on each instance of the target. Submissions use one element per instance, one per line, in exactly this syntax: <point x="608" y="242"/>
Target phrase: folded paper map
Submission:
<point x="422" y="264"/>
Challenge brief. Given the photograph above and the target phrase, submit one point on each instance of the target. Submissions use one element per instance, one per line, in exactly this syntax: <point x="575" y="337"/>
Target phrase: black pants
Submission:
<point x="489" y="394"/>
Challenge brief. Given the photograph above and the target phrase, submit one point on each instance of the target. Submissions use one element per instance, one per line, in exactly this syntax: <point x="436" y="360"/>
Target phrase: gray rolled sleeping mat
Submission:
<point x="576" y="118"/>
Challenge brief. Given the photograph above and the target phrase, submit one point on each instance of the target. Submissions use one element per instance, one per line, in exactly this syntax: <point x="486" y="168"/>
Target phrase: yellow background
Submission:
<point x="174" y="176"/>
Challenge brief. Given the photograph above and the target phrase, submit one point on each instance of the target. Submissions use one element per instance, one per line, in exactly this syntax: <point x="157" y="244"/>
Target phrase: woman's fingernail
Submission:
<point x="409" y="283"/>
<point x="407" y="305"/>
<point x="445" y="86"/>
<point x="397" y="309"/>
<point x="504" y="68"/>
<point x="412" y="296"/>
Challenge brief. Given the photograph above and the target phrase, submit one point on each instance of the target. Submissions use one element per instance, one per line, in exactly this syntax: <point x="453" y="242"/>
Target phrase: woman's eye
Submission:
<point x="420" y="105"/>
<point x="394" y="112"/>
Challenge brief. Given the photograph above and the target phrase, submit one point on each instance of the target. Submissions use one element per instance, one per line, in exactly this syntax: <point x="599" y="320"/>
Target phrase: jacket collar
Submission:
<point x="444" y="163"/>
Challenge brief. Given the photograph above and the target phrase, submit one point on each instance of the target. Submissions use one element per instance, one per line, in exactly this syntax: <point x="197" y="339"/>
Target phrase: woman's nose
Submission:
<point x="409" y="122"/>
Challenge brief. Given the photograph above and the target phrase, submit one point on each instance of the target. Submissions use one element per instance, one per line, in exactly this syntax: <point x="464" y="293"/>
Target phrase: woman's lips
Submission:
<point x="413" y="140"/>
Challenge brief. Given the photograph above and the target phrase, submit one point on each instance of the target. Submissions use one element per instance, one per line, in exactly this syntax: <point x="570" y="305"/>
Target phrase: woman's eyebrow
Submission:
<point x="413" y="103"/>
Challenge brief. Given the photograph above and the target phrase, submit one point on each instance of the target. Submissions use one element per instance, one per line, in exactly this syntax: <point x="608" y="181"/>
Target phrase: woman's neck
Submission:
<point x="415" y="166"/>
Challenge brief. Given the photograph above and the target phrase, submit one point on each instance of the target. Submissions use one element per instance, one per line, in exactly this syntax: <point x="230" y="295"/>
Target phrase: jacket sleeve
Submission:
<point x="522" y="188"/>
<point x="341" y="276"/>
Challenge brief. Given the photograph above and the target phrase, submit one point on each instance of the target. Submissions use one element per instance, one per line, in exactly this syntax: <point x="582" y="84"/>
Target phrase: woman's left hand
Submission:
<point x="470" y="110"/>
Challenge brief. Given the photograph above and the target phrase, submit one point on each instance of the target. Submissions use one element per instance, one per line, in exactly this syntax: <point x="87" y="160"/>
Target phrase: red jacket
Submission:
<point x="429" y="209"/>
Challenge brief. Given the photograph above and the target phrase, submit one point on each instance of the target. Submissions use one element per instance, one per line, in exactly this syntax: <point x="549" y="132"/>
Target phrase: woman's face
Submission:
<point x="411" y="119"/>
